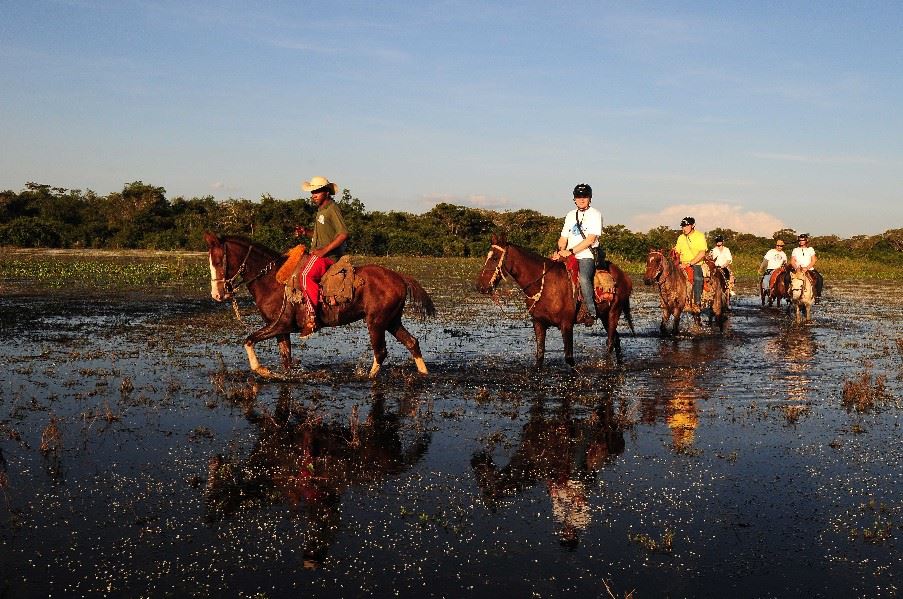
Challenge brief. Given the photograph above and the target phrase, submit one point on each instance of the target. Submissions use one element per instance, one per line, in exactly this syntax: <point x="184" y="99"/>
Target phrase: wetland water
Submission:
<point x="702" y="466"/>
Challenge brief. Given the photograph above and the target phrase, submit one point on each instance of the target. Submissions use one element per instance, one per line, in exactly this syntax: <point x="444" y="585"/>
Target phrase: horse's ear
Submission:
<point x="211" y="239"/>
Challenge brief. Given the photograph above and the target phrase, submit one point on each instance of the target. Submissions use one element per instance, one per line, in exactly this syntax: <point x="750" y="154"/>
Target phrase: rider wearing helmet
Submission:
<point x="581" y="231"/>
<point x="692" y="247"/>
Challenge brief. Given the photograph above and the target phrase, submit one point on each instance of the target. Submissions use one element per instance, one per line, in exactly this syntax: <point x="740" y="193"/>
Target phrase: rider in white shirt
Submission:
<point x="581" y="231"/>
<point x="804" y="258"/>
<point x="774" y="259"/>
<point x="721" y="254"/>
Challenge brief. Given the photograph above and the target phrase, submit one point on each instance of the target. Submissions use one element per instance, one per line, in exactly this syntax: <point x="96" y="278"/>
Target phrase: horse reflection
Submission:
<point x="561" y="452"/>
<point x="676" y="397"/>
<point x="308" y="463"/>
<point x="795" y="349"/>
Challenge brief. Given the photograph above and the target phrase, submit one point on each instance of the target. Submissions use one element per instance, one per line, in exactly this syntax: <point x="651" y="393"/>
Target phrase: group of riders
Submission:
<point x="578" y="245"/>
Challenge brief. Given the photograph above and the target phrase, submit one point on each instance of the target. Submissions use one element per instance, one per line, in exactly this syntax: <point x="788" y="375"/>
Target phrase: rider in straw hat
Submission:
<point x="330" y="235"/>
<point x="329" y="239"/>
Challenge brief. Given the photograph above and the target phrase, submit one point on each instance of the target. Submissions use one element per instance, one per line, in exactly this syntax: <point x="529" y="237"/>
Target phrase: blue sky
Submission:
<point x="748" y="115"/>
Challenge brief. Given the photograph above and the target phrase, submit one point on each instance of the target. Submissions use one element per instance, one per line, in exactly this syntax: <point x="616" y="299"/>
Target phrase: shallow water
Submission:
<point x="703" y="465"/>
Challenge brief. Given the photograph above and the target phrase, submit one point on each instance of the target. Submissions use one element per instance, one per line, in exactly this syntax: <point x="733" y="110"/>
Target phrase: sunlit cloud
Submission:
<point x="711" y="216"/>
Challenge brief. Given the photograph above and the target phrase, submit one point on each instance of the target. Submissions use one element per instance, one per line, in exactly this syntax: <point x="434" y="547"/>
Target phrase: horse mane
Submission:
<point x="241" y="239"/>
<point x="531" y="254"/>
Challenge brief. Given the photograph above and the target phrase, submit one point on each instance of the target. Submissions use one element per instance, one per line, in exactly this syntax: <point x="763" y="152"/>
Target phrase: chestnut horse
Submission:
<point x="777" y="287"/>
<point x="665" y="271"/>
<point x="235" y="261"/>
<point x="550" y="295"/>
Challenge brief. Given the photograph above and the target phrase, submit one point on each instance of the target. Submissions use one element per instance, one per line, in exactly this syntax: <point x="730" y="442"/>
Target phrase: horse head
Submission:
<point x="216" y="253"/>
<point x="800" y="287"/>
<point x="492" y="272"/>
<point x="654" y="266"/>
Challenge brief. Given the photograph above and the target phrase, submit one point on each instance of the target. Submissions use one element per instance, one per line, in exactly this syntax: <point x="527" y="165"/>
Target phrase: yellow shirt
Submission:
<point x="690" y="245"/>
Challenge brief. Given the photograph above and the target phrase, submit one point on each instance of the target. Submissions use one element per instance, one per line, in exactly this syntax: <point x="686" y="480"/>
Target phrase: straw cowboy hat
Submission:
<point x="319" y="183"/>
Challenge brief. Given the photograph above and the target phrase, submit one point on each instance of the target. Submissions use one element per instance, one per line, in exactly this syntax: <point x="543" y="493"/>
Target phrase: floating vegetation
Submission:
<point x="863" y="393"/>
<point x="663" y="544"/>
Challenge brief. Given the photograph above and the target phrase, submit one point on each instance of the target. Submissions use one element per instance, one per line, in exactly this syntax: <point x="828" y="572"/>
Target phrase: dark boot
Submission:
<point x="584" y="316"/>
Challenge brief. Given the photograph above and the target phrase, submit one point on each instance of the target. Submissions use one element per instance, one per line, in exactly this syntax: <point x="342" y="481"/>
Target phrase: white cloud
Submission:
<point x="710" y="216"/>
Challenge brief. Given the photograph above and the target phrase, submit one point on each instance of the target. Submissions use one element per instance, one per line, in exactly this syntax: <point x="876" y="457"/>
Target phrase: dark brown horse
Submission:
<point x="664" y="270"/>
<point x="777" y="287"/>
<point x="550" y="295"/>
<point x="380" y="301"/>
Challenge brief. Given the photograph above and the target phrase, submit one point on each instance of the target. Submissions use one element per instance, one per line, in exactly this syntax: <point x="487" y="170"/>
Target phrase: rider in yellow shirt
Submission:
<point x="692" y="247"/>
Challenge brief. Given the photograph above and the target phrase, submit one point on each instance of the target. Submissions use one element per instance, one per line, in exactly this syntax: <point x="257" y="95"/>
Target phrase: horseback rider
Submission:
<point x="803" y="258"/>
<point x="330" y="235"/>
<point x="723" y="260"/>
<point x="329" y="242"/>
<point x="774" y="259"/>
<point x="691" y="246"/>
<point x="580" y="233"/>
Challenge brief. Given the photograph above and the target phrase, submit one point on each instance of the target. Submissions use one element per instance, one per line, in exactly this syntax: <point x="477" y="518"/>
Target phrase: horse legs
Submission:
<point x="409" y="341"/>
<point x="567" y="334"/>
<point x="675" y="328"/>
<point x="285" y="350"/>
<point x="663" y="327"/>
<point x="539" y="330"/>
<point x="610" y="322"/>
<point x="378" y="343"/>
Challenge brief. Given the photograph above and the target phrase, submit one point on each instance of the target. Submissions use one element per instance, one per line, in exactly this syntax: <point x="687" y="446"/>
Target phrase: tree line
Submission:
<point x="141" y="216"/>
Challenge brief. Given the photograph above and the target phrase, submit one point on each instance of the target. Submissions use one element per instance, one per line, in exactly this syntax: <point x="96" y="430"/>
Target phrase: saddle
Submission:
<point x="339" y="283"/>
<point x="603" y="283"/>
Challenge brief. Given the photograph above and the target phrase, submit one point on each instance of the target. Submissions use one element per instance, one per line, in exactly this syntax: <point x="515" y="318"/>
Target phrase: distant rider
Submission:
<point x="723" y="259"/>
<point x="691" y="246"/>
<point x="803" y="258"/>
<point x="774" y="259"/>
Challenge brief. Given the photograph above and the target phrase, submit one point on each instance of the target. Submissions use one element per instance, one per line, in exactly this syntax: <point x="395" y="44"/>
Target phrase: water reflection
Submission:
<point x="561" y="452"/>
<point x="679" y="389"/>
<point x="795" y="349"/>
<point x="307" y="462"/>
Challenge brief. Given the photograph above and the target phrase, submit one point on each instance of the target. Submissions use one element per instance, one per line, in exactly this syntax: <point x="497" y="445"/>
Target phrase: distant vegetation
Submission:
<point x="141" y="217"/>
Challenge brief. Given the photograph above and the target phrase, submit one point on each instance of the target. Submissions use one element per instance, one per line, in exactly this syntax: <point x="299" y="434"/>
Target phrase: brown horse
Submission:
<point x="380" y="301"/>
<point x="550" y="296"/>
<point x="672" y="281"/>
<point x="777" y="287"/>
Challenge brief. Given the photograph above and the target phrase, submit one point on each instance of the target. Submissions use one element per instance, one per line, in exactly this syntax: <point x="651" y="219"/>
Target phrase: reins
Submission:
<point x="499" y="275"/>
<point x="231" y="287"/>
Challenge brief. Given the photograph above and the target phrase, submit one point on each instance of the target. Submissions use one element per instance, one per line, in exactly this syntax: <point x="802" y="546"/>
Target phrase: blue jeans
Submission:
<point x="587" y="267"/>
<point x="697" y="283"/>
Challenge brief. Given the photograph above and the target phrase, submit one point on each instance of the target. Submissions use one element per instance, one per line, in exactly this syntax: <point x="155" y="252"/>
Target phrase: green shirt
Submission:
<point x="327" y="226"/>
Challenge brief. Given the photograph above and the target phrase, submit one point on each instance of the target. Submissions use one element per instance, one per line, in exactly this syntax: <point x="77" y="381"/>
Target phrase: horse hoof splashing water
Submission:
<point x="380" y="301"/>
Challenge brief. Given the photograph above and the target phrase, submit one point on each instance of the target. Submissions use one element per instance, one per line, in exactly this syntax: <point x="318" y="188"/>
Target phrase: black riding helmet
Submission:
<point x="687" y="220"/>
<point x="583" y="191"/>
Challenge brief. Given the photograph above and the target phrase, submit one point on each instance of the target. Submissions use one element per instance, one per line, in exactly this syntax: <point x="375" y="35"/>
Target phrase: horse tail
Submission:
<point x="418" y="299"/>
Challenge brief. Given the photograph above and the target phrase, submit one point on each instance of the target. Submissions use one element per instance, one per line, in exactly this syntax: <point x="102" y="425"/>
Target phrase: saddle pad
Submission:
<point x="294" y="256"/>
<point x="604" y="281"/>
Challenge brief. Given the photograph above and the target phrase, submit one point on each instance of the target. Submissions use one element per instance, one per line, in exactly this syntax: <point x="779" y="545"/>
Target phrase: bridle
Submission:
<point x="499" y="275"/>
<point x="229" y="285"/>
<point x="661" y="266"/>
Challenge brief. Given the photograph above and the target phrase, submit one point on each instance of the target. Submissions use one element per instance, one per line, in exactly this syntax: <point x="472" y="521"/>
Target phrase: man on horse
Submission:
<point x="691" y="246"/>
<point x="803" y="258"/>
<point x="579" y="235"/>
<point x="329" y="242"/>
<point x="723" y="258"/>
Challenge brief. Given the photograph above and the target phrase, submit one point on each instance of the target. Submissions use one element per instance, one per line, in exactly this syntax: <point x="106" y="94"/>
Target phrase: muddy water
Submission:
<point x="701" y="466"/>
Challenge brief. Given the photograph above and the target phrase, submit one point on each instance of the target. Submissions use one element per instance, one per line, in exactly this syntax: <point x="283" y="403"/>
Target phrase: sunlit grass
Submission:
<point x="133" y="270"/>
